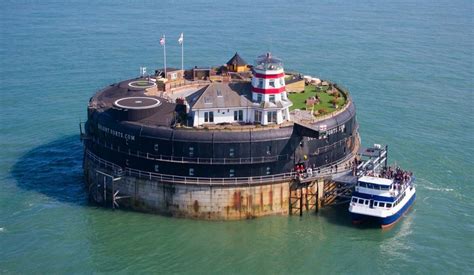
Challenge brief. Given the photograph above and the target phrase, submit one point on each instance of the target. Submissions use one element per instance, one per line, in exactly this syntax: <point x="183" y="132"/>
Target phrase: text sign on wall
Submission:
<point x="116" y="133"/>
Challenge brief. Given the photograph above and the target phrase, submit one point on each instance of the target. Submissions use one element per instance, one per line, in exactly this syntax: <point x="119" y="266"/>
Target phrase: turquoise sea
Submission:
<point x="407" y="63"/>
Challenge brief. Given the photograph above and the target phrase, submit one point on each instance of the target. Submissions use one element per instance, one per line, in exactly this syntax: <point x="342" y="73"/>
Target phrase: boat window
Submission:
<point x="157" y="168"/>
<point x="268" y="170"/>
<point x="389" y="205"/>
<point x="231" y="173"/>
<point x="381" y="204"/>
<point x="156" y="147"/>
<point x="361" y="201"/>
<point x="191" y="171"/>
<point x="354" y="199"/>
<point x="367" y="202"/>
<point x="231" y="152"/>
<point x="191" y="151"/>
<point x="376" y="203"/>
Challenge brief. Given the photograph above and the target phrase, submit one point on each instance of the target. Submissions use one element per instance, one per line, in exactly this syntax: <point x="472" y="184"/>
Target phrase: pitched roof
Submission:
<point x="221" y="95"/>
<point x="237" y="60"/>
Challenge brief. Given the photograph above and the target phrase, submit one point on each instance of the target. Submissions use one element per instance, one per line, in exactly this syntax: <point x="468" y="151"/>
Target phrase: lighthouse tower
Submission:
<point x="268" y="91"/>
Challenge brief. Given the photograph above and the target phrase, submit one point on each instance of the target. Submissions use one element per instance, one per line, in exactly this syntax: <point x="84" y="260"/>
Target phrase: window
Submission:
<point x="239" y="115"/>
<point x="282" y="82"/>
<point x="367" y="202"/>
<point x="208" y="116"/>
<point x="260" y="83"/>
<point x="271" y="117"/>
<point x="259" y="97"/>
<point x="231" y="152"/>
<point x="376" y="203"/>
<point x="191" y="171"/>
<point x="174" y="76"/>
<point x="191" y="151"/>
<point x="258" y="116"/>
<point x="269" y="150"/>
<point x="381" y="204"/>
<point x="272" y="98"/>
<point x="272" y="83"/>
<point x="269" y="171"/>
<point x="361" y="201"/>
<point x="156" y="147"/>
<point x="389" y="205"/>
<point x="354" y="199"/>
<point x="231" y="173"/>
<point x="157" y="168"/>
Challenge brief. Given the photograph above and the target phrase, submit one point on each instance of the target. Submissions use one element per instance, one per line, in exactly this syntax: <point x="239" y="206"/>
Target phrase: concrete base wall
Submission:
<point x="190" y="201"/>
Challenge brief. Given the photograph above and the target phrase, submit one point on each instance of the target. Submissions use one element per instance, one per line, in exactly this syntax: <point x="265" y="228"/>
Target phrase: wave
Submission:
<point x="438" y="189"/>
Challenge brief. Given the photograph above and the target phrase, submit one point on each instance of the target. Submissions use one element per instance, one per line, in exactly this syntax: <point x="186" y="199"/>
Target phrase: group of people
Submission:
<point x="397" y="173"/>
<point x="303" y="171"/>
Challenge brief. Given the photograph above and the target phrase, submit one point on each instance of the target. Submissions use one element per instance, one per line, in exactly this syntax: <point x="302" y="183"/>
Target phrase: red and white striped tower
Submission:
<point x="268" y="89"/>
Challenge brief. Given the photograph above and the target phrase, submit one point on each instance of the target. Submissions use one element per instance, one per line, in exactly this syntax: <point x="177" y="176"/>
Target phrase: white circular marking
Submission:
<point x="138" y="100"/>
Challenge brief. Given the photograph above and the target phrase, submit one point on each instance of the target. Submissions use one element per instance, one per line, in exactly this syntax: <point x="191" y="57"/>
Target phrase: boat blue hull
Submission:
<point x="387" y="221"/>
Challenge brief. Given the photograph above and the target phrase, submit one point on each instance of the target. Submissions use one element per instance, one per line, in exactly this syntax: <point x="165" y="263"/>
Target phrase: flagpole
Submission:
<point x="164" y="52"/>
<point x="182" y="54"/>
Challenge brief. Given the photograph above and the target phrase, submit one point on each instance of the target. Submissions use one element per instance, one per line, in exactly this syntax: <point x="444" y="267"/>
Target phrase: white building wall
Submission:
<point x="220" y="116"/>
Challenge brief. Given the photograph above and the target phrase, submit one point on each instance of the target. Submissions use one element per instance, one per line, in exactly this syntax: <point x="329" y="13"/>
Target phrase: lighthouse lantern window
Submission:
<point x="272" y="83"/>
<point x="272" y="98"/>
<point x="260" y="83"/>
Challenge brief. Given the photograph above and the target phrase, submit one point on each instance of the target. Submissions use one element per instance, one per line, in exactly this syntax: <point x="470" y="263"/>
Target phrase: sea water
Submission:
<point x="407" y="63"/>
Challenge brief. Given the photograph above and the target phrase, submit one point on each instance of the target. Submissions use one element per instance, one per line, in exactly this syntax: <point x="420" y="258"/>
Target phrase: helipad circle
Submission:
<point x="137" y="103"/>
<point x="142" y="84"/>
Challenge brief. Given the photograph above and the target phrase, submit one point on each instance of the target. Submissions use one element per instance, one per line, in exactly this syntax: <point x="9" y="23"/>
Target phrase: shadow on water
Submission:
<point x="53" y="169"/>
<point x="339" y="215"/>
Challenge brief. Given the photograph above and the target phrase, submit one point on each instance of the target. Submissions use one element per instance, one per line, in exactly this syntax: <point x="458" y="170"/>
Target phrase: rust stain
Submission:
<point x="196" y="206"/>
<point x="237" y="200"/>
<point x="281" y="196"/>
<point x="270" y="196"/>
<point x="261" y="200"/>
<point x="250" y="202"/>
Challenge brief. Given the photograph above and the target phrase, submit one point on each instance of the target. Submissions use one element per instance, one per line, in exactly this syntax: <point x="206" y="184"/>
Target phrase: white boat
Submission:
<point x="383" y="197"/>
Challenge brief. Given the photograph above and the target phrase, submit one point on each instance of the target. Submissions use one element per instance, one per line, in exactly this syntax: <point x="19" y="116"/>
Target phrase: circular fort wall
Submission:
<point x="217" y="153"/>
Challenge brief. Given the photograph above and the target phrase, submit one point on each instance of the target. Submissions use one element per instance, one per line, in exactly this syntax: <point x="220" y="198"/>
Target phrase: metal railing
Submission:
<point x="200" y="160"/>
<point x="197" y="160"/>
<point x="320" y="172"/>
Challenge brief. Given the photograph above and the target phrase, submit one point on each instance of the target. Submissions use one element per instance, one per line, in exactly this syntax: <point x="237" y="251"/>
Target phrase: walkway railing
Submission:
<point x="200" y="160"/>
<point x="320" y="172"/>
<point x="197" y="160"/>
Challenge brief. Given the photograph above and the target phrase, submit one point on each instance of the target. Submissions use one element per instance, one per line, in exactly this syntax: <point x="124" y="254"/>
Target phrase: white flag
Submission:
<point x="181" y="39"/>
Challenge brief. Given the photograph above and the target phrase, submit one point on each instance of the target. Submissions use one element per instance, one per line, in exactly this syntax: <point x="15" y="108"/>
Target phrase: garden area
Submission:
<point x="321" y="100"/>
